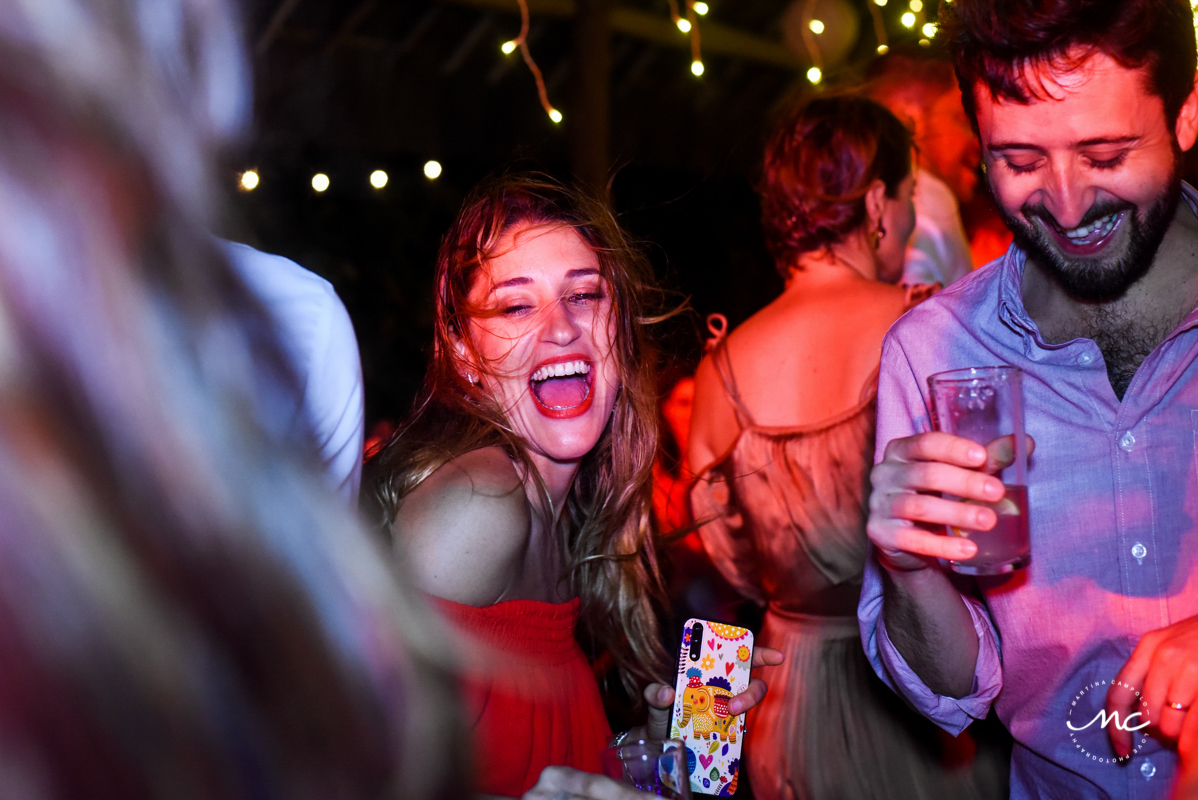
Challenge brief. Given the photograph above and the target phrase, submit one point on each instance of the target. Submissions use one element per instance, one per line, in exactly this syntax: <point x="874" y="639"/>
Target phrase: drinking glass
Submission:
<point x="655" y="766"/>
<point x="985" y="405"/>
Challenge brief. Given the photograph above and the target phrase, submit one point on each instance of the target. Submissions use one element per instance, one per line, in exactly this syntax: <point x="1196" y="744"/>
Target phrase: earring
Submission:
<point x="876" y="237"/>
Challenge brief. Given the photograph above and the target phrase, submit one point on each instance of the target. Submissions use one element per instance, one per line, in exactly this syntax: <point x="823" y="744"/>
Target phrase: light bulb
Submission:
<point x="684" y="25"/>
<point x="555" y="115"/>
<point x="249" y="180"/>
<point x="508" y="48"/>
<point x="432" y="170"/>
<point x="814" y="75"/>
<point x="320" y="182"/>
<point x="378" y="179"/>
<point x="697" y="68"/>
<point x="917" y="6"/>
<point x="816" y="26"/>
<point x="908" y="20"/>
<point x="700" y="8"/>
<point x="929" y="29"/>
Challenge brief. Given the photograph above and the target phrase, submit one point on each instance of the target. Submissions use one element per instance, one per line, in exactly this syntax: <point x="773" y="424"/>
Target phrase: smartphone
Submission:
<point x="713" y="665"/>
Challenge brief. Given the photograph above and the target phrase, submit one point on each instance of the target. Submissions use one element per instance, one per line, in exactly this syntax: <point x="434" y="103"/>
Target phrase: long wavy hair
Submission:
<point x="605" y="527"/>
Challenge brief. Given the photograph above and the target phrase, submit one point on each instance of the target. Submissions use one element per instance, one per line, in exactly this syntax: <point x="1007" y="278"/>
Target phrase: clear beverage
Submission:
<point x="1005" y="547"/>
<point x="985" y="405"/>
<point x="654" y="766"/>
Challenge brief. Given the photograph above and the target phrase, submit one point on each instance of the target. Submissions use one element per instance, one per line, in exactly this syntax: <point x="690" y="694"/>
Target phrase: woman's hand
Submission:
<point x="563" y="783"/>
<point x="661" y="698"/>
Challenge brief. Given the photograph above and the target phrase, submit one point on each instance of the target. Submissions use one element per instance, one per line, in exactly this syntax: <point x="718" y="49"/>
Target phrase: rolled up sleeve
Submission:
<point x="903" y="411"/>
<point x="953" y="714"/>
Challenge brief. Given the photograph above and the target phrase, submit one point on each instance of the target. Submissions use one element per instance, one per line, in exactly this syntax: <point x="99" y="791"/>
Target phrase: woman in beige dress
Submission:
<point x="782" y="439"/>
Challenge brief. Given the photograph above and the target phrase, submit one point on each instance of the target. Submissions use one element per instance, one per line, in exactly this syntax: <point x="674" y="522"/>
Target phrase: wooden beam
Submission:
<point x="470" y="41"/>
<point x="276" y="24"/>
<point x="351" y="25"/>
<point x="656" y="28"/>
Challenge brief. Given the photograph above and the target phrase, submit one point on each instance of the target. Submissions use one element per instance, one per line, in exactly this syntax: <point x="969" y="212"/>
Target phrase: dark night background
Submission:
<point x="345" y="88"/>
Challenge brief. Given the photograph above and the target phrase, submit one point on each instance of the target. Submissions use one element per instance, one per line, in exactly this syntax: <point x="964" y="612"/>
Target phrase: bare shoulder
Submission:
<point x="466" y="527"/>
<point x="713" y="420"/>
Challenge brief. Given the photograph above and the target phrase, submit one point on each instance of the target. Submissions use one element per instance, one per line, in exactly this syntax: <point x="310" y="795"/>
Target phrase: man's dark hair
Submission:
<point x="993" y="41"/>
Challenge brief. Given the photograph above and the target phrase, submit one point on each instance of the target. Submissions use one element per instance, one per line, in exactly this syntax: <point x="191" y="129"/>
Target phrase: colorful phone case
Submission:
<point x="719" y="670"/>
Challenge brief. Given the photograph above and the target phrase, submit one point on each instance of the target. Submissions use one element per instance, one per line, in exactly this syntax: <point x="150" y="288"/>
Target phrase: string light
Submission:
<point x="929" y="29"/>
<point x="690" y="25"/>
<point x="378" y="179"/>
<point x="814" y="26"/>
<point x="674" y="15"/>
<point x="696" y="55"/>
<point x="249" y="180"/>
<point x="925" y="43"/>
<point x="320" y="182"/>
<point x="908" y="20"/>
<point x="879" y="25"/>
<point x="508" y="48"/>
<point x="521" y="41"/>
<point x="917" y="6"/>
<point x="432" y="170"/>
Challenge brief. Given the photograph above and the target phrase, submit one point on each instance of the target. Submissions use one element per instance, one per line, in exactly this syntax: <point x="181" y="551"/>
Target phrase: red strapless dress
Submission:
<point x="529" y="692"/>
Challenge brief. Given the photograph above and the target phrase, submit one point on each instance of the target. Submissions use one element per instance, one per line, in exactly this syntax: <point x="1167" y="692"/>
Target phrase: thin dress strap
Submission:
<point x="717" y="346"/>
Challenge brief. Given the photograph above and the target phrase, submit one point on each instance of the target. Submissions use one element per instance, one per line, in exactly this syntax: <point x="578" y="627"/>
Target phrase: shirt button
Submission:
<point x="1127" y="441"/>
<point x="1085" y="358"/>
<point x="1138" y="551"/>
<point x="1147" y="769"/>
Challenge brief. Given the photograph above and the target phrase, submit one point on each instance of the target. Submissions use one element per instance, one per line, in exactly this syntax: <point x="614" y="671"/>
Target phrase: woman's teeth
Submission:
<point x="1102" y="227"/>
<point x="561" y="370"/>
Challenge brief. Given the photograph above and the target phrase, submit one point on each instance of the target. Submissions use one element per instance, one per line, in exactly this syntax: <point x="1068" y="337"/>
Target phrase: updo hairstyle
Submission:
<point x="821" y="159"/>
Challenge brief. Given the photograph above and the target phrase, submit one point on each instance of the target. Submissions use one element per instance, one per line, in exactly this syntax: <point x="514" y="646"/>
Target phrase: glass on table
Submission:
<point x="985" y="405"/>
<point x="655" y="766"/>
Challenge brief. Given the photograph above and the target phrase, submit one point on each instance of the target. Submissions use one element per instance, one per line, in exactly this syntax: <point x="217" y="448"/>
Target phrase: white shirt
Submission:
<point x="938" y="251"/>
<point x="318" y="339"/>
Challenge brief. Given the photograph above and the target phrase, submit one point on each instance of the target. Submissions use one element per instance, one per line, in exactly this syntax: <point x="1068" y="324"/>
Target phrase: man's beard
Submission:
<point x="1108" y="276"/>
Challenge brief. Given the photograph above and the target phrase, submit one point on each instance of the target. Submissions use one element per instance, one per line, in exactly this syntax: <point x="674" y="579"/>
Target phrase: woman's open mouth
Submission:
<point x="562" y="389"/>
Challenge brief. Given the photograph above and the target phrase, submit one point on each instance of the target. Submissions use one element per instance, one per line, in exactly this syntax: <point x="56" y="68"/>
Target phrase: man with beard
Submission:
<point x="1083" y="109"/>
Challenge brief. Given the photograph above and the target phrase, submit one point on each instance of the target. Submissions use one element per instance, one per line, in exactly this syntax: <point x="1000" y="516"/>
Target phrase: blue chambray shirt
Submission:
<point x="1113" y="496"/>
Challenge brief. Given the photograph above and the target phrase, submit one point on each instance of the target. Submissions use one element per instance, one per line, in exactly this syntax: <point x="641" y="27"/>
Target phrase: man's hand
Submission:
<point x="902" y="506"/>
<point x="1164" y="667"/>
<point x="660" y="698"/>
<point x="1185" y="787"/>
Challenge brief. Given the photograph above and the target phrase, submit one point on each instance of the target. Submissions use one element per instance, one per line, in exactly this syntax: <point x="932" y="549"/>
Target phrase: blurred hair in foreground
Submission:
<point x="184" y="612"/>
